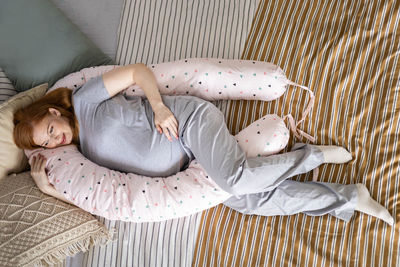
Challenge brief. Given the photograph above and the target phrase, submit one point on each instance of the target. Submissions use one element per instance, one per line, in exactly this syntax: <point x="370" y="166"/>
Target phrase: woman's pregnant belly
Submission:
<point x="142" y="152"/>
<point x="134" y="145"/>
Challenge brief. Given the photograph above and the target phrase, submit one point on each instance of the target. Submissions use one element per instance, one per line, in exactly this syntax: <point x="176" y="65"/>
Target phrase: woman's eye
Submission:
<point x="51" y="129"/>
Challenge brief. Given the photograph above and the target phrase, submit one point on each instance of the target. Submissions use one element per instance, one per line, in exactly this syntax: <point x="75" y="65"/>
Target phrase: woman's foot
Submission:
<point x="335" y="154"/>
<point x="369" y="206"/>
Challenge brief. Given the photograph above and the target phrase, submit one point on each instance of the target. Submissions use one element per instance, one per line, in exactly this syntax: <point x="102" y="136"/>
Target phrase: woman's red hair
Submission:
<point x="26" y="118"/>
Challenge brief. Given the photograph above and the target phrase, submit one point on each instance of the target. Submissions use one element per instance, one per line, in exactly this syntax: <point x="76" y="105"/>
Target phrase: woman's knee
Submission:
<point x="235" y="183"/>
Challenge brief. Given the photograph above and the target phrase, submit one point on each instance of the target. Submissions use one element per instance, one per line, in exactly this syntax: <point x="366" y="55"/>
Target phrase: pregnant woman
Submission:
<point x="134" y="135"/>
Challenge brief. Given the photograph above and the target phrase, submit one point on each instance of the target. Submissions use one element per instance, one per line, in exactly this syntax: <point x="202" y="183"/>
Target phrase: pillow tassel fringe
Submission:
<point x="101" y="237"/>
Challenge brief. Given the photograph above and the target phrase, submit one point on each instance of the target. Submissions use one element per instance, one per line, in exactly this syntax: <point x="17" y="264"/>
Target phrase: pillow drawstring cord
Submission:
<point x="293" y="125"/>
<point x="297" y="132"/>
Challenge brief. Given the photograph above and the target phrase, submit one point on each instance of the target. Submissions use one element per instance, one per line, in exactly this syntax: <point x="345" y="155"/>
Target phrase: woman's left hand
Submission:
<point x="165" y="121"/>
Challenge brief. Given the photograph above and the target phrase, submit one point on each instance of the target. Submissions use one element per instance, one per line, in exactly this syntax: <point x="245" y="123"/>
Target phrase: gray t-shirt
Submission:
<point x="119" y="132"/>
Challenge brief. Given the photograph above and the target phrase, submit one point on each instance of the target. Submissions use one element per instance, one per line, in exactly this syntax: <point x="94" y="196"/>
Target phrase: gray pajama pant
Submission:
<point x="260" y="185"/>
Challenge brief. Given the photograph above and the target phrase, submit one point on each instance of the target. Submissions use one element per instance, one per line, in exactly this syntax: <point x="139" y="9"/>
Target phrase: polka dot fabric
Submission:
<point x="207" y="78"/>
<point x="214" y="79"/>
<point x="129" y="197"/>
<point x="266" y="136"/>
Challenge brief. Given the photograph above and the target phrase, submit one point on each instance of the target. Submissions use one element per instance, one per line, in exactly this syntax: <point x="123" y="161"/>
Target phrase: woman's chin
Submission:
<point x="65" y="144"/>
<point x="68" y="140"/>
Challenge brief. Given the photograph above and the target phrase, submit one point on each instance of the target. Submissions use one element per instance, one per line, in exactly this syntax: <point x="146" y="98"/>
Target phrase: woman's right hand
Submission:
<point x="39" y="175"/>
<point x="38" y="171"/>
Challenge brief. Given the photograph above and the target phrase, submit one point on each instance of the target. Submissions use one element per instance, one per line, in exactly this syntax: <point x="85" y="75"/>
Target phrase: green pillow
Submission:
<point x="38" y="44"/>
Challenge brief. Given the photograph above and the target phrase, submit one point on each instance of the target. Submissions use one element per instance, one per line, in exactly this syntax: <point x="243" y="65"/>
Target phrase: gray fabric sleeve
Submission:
<point x="92" y="92"/>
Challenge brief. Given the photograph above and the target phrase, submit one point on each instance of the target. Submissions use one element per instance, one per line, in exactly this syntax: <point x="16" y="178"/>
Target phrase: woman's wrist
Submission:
<point x="146" y="80"/>
<point x="159" y="105"/>
<point x="45" y="188"/>
<point x="41" y="183"/>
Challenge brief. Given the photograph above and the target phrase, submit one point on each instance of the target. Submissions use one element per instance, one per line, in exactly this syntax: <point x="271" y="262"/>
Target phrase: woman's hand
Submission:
<point x="165" y="121"/>
<point x="39" y="175"/>
<point x="38" y="172"/>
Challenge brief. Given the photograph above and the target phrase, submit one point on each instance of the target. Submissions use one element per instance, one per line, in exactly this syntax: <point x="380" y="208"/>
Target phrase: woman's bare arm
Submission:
<point x="50" y="190"/>
<point x="121" y="78"/>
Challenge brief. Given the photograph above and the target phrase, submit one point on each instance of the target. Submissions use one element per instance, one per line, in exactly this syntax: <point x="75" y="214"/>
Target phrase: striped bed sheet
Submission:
<point x="348" y="53"/>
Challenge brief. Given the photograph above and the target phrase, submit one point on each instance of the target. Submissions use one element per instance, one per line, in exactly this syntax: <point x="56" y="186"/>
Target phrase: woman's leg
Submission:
<point x="311" y="198"/>
<point x="205" y="137"/>
<point x="292" y="197"/>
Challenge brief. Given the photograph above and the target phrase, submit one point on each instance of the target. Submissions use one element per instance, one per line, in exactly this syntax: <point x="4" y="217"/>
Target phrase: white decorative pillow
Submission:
<point x="12" y="158"/>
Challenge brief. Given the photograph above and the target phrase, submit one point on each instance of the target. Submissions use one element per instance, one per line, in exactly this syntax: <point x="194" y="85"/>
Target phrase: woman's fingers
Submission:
<point x="38" y="163"/>
<point x="169" y="127"/>
<point x="166" y="132"/>
<point x="33" y="162"/>
<point x="174" y="121"/>
<point x="175" y="131"/>
<point x="166" y="122"/>
<point x="42" y="165"/>
<point x="174" y="127"/>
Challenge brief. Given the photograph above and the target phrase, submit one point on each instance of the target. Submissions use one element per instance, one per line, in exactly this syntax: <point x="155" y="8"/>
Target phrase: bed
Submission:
<point x="347" y="52"/>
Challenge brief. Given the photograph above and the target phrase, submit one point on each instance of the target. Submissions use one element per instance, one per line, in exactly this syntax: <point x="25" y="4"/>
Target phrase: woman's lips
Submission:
<point x="63" y="140"/>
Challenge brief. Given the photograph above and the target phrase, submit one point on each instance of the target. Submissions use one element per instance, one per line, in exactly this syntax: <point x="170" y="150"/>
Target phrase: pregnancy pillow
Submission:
<point x="210" y="79"/>
<point x="130" y="197"/>
<point x="136" y="198"/>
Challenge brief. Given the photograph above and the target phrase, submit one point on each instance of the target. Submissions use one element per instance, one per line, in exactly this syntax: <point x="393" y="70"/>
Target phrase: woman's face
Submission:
<point x="53" y="131"/>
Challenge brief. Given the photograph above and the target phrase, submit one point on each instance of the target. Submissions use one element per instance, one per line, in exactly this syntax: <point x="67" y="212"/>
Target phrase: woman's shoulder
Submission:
<point x="92" y="92"/>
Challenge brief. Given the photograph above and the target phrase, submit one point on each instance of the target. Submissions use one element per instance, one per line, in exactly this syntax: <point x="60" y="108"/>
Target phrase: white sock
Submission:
<point x="335" y="154"/>
<point x="369" y="206"/>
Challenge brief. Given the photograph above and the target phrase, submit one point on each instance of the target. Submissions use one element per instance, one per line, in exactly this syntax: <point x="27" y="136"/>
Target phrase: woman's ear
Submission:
<point x="55" y="112"/>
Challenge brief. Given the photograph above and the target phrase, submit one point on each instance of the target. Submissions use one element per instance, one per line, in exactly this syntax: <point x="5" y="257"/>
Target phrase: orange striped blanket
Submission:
<point x="348" y="53"/>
